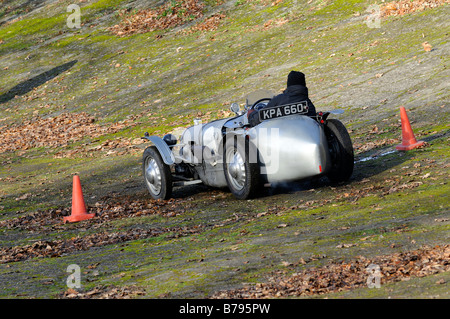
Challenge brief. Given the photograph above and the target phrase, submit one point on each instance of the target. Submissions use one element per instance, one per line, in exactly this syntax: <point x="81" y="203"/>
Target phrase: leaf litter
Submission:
<point x="55" y="131"/>
<point x="346" y="275"/>
<point x="105" y="210"/>
<point x="104" y="292"/>
<point x="402" y="7"/>
<point x="57" y="248"/>
<point x="168" y="15"/>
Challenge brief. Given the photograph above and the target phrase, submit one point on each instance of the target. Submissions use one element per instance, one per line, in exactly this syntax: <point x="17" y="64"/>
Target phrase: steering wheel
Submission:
<point x="259" y="101"/>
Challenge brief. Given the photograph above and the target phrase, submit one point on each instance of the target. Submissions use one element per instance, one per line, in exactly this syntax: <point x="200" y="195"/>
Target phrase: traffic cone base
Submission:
<point x="77" y="218"/>
<point x="409" y="142"/>
<point x="78" y="206"/>
<point x="408" y="147"/>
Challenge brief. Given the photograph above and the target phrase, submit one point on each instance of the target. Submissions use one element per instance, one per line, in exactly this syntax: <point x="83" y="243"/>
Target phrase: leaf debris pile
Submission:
<point x="105" y="210"/>
<point x="59" y="247"/>
<point x="336" y="277"/>
<point x="54" y="131"/>
<point x="171" y="14"/>
<point x="402" y="7"/>
<point x="117" y="147"/>
<point x="370" y="139"/>
<point x="209" y="24"/>
<point x="374" y="144"/>
<point x="105" y="292"/>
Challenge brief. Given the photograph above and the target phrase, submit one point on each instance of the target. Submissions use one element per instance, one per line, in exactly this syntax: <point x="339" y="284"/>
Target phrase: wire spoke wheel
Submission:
<point x="157" y="175"/>
<point x="242" y="176"/>
<point x="153" y="176"/>
<point x="236" y="169"/>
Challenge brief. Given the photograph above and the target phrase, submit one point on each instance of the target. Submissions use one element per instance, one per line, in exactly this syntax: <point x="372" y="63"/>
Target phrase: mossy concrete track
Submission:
<point x="163" y="79"/>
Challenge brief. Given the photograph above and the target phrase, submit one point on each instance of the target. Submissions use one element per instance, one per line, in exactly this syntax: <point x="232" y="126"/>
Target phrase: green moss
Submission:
<point x="104" y="4"/>
<point x="181" y="75"/>
<point x="341" y="7"/>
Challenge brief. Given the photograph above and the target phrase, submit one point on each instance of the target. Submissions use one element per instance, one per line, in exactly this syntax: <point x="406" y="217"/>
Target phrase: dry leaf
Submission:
<point x="345" y="245"/>
<point x="427" y="47"/>
<point x="286" y="264"/>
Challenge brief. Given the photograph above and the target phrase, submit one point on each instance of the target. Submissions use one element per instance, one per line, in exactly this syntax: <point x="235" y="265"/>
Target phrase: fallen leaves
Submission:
<point x="59" y="247"/>
<point x="269" y="24"/>
<point x="56" y="248"/>
<point x="345" y="245"/>
<point x="396" y="8"/>
<point x="169" y="15"/>
<point x="369" y="140"/>
<point x="118" y="146"/>
<point x="274" y="23"/>
<point x="339" y="276"/>
<point x="105" y="210"/>
<point x="54" y="131"/>
<point x="210" y="24"/>
<point x="24" y="197"/>
<point x="404" y="186"/>
<point x="105" y="292"/>
<point x="427" y="47"/>
<point x="372" y="144"/>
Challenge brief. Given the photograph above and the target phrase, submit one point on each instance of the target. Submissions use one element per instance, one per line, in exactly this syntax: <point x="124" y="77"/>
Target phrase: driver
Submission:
<point x="296" y="91"/>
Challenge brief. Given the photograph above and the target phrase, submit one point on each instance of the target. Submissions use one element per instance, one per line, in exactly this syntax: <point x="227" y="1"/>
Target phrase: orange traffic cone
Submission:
<point x="409" y="142"/>
<point x="78" y="206"/>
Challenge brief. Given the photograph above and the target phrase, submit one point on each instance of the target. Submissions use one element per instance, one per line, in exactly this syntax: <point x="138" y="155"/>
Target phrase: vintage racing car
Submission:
<point x="286" y="146"/>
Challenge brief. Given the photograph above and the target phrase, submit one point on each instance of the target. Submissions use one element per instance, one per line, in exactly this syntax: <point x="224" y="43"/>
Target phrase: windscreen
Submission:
<point x="257" y="95"/>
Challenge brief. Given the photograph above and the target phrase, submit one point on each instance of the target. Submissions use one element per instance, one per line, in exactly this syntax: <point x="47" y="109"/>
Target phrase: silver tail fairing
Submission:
<point x="291" y="148"/>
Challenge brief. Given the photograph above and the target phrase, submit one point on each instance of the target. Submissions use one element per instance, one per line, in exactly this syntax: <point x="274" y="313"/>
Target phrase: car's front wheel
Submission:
<point x="241" y="170"/>
<point x="158" y="178"/>
<point x="341" y="151"/>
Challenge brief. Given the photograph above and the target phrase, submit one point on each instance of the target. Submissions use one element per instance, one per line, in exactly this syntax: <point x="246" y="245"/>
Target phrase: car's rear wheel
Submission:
<point x="341" y="151"/>
<point x="241" y="170"/>
<point x="158" y="178"/>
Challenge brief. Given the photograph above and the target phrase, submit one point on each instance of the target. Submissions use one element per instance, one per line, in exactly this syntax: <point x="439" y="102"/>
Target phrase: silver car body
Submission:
<point x="290" y="148"/>
<point x="286" y="145"/>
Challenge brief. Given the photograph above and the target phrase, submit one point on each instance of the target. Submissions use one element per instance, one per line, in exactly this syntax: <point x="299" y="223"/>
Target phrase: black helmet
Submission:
<point x="296" y="78"/>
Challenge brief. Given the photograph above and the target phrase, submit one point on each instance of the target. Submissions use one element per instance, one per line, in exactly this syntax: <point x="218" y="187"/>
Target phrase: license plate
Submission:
<point x="283" y="110"/>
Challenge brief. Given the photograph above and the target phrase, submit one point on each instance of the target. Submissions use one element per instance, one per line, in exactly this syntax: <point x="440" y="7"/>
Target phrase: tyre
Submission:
<point x="157" y="176"/>
<point x="341" y="151"/>
<point x="242" y="171"/>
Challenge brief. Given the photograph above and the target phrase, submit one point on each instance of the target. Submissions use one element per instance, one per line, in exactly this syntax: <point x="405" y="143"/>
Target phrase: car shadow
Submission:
<point x="367" y="164"/>
<point x="363" y="169"/>
<point x="28" y="85"/>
